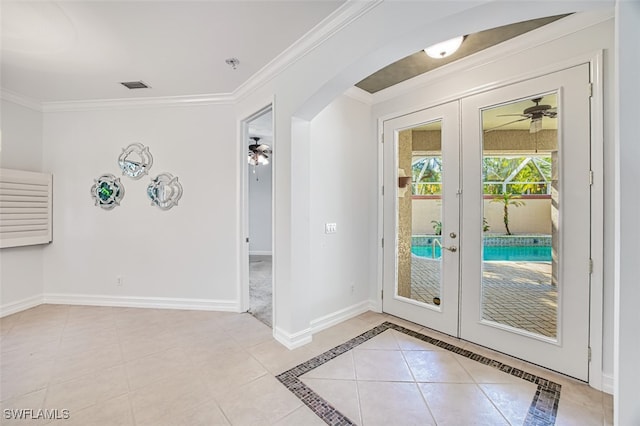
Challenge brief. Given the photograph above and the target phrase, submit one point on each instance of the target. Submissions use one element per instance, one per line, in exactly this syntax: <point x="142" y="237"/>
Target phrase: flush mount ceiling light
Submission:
<point x="445" y="48"/>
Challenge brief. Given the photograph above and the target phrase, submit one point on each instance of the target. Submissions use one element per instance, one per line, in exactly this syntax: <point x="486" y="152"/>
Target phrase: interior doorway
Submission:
<point x="490" y="219"/>
<point x="258" y="139"/>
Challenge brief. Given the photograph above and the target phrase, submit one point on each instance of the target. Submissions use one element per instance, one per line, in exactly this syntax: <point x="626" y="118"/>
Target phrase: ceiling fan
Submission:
<point x="534" y="113"/>
<point x="258" y="152"/>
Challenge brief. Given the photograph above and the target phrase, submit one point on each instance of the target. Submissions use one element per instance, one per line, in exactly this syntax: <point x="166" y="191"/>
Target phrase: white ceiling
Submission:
<point x="81" y="50"/>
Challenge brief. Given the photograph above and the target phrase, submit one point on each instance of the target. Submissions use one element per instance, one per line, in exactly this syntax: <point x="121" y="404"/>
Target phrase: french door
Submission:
<point x="486" y="219"/>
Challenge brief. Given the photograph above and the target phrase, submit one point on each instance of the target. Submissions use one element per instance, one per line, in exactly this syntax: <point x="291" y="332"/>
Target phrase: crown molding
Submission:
<point x="359" y="95"/>
<point x="521" y="43"/>
<point x="165" y="101"/>
<point x="21" y="100"/>
<point x="341" y="17"/>
<point x="350" y="11"/>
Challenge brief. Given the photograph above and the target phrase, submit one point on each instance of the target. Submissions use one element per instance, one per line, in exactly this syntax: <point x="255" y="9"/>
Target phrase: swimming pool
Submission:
<point x="503" y="253"/>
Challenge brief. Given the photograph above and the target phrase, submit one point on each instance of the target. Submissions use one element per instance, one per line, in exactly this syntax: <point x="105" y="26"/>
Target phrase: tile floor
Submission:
<point x="125" y="366"/>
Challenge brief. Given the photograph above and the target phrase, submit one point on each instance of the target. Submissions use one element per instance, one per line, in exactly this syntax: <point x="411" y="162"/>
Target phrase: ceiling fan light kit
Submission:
<point x="258" y="153"/>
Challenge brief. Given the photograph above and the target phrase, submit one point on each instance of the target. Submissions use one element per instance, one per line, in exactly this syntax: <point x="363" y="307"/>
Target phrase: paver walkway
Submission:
<point x="518" y="294"/>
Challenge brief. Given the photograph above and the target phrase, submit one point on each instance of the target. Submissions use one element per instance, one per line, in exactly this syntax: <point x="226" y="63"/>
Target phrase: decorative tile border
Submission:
<point x="542" y="411"/>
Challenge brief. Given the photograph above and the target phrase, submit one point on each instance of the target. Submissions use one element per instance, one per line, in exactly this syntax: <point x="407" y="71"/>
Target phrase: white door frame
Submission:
<point x="595" y="60"/>
<point x="243" y="293"/>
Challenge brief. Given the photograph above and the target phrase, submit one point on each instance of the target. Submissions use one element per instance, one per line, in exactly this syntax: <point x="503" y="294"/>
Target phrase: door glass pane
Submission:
<point x="420" y="213"/>
<point x="520" y="215"/>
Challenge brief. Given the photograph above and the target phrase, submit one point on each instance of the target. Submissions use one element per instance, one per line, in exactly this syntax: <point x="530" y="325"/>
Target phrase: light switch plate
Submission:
<point x="330" y="228"/>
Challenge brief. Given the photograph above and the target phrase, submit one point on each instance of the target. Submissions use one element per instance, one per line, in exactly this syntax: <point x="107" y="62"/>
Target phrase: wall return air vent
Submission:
<point x="25" y="208"/>
<point x="135" y="84"/>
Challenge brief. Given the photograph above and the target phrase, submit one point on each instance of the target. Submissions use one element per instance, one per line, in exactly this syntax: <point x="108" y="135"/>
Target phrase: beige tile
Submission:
<point x="277" y="358"/>
<point x="26" y="374"/>
<point x="372" y="318"/>
<point x="384" y="403"/>
<point x="436" y="366"/>
<point x="263" y="401"/>
<point x="381" y="366"/>
<point x="146" y="370"/>
<point x="301" y="416"/>
<point x="31" y="401"/>
<point x="138" y="347"/>
<point x="230" y="372"/>
<point x="341" y="367"/>
<point x="207" y="414"/>
<point x="74" y="365"/>
<point x="179" y="393"/>
<point x="30" y="341"/>
<point x="88" y="390"/>
<point x="460" y="404"/>
<point x="384" y="341"/>
<point x="86" y="340"/>
<point x="341" y="394"/>
<point x="513" y="400"/>
<point x="574" y="414"/>
<point x="114" y="412"/>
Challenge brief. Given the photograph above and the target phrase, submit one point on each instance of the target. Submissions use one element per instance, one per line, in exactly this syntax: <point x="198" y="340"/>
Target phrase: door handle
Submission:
<point x="452" y="249"/>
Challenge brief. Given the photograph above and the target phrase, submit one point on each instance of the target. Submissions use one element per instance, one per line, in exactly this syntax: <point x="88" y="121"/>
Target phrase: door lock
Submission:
<point x="453" y="235"/>
<point x="452" y="249"/>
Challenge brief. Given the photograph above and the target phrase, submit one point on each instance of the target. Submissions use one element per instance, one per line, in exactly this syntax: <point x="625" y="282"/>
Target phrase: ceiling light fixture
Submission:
<point x="445" y="48"/>
<point x="233" y="62"/>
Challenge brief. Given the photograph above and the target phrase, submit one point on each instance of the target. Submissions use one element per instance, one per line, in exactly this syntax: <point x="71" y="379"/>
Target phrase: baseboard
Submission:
<point x="20" y="305"/>
<point x="259" y="253"/>
<point x="292" y="341"/>
<point x="337" y="317"/>
<point x="607" y="384"/>
<point x="142" y="302"/>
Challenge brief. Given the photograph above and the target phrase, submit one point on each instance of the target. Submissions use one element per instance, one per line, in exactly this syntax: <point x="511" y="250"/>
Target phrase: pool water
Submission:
<point x="504" y="253"/>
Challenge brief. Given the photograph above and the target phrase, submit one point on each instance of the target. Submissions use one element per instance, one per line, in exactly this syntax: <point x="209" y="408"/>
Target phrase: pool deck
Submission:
<point x="518" y="294"/>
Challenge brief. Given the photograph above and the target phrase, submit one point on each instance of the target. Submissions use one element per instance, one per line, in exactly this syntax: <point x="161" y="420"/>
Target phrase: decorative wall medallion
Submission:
<point x="135" y="160"/>
<point x="164" y="191"/>
<point x="107" y="191"/>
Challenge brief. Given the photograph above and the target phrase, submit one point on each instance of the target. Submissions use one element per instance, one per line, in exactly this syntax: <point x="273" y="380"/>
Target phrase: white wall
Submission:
<point x="186" y="256"/>
<point x="20" y="267"/>
<point x="586" y="41"/>
<point x="382" y="33"/>
<point x="260" y="209"/>
<point x="627" y="342"/>
<point x="342" y="169"/>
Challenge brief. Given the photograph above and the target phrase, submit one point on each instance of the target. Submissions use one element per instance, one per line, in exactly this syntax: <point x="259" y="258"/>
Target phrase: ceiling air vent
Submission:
<point x="134" y="84"/>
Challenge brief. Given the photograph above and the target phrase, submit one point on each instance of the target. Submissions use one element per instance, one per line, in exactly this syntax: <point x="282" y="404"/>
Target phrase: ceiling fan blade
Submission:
<point x="514" y="115"/>
<point x="505" y="124"/>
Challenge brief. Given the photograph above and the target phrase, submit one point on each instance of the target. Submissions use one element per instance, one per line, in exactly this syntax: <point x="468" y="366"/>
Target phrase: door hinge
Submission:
<point x="382" y="189"/>
<point x="382" y="243"/>
<point x="590" y="266"/>
<point x="381" y="138"/>
<point x="381" y="294"/>
<point x="590" y="177"/>
<point x="247" y="239"/>
<point x="589" y="353"/>
<point x="590" y="89"/>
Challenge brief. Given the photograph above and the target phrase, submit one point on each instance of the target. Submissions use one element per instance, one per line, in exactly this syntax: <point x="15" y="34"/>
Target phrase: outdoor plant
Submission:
<point x="507" y="199"/>
<point x="485" y="225"/>
<point x="437" y="227"/>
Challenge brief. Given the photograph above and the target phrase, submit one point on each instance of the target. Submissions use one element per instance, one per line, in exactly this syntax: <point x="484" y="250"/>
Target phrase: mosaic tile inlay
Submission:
<point x="542" y="412"/>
